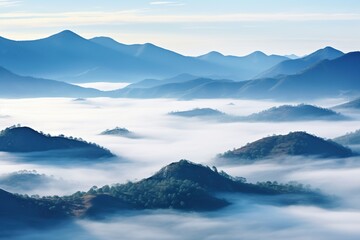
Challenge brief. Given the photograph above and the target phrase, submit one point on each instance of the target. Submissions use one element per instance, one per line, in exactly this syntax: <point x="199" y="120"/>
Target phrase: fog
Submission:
<point x="166" y="139"/>
<point x="103" y="86"/>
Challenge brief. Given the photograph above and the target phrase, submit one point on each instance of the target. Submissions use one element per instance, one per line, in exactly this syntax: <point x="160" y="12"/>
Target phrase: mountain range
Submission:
<point x="69" y="57"/>
<point x="66" y="56"/>
<point x="329" y="78"/>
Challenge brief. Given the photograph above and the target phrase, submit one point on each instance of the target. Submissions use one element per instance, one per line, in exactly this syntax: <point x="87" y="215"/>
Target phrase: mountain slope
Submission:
<point x="292" y="144"/>
<point x="20" y="213"/>
<point x="27" y="140"/>
<point x="328" y="78"/>
<point x="354" y="104"/>
<point x="294" y="66"/>
<point x="15" y="86"/>
<point x="168" y="90"/>
<point x="352" y="138"/>
<point x="169" y="60"/>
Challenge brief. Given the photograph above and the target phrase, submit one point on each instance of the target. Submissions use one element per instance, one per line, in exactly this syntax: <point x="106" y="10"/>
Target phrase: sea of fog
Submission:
<point x="165" y="139"/>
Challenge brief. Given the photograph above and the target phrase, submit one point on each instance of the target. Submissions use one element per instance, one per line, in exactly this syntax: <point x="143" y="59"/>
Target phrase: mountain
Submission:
<point x="66" y="56"/>
<point x="15" y="86"/>
<point x="168" y="60"/>
<point x="302" y="112"/>
<point x="330" y="78"/>
<point x="210" y="179"/>
<point x="188" y="186"/>
<point x="69" y="57"/>
<point x="27" y="140"/>
<point x="354" y="104"/>
<point x="198" y="112"/>
<point x="122" y="132"/>
<point x="206" y="114"/>
<point x="248" y="66"/>
<point x="295" y="66"/>
<point x="292" y="144"/>
<point x="182" y="185"/>
<point x="239" y="68"/>
<point x="352" y="138"/>
<point x="24" y="181"/>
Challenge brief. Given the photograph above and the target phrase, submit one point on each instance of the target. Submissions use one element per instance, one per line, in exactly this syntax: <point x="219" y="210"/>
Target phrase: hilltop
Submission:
<point x="292" y="144"/>
<point x="301" y="112"/>
<point x="27" y="140"/>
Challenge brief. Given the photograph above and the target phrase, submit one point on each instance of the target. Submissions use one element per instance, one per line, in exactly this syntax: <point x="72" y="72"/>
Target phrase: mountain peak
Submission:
<point x="200" y="174"/>
<point x="325" y="53"/>
<point x="103" y="38"/>
<point x="215" y="53"/>
<point x="18" y="131"/>
<point x="329" y="48"/>
<point x="257" y="54"/>
<point x="66" y="35"/>
<point x="212" y="54"/>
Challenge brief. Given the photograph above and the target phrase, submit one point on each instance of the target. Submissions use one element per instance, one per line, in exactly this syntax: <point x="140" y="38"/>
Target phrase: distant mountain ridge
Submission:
<point x="352" y="138"/>
<point x="66" y="56"/>
<point x="353" y="104"/>
<point x="329" y="78"/>
<point x="15" y="86"/>
<point x="248" y="66"/>
<point x="296" y="66"/>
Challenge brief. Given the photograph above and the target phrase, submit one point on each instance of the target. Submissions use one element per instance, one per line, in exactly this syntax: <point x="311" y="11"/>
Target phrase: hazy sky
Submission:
<point x="194" y="26"/>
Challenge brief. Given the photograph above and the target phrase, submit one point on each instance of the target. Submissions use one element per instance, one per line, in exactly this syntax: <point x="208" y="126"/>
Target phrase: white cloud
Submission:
<point x="9" y="20"/>
<point x="167" y="3"/>
<point x="169" y="139"/>
<point x="9" y="3"/>
<point x="160" y="3"/>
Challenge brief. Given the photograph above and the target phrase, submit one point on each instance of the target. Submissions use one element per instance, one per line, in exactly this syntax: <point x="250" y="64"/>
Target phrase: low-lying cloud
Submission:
<point x="167" y="139"/>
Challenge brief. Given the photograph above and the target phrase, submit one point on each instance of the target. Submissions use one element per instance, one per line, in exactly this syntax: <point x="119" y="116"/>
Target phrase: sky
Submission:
<point x="194" y="27"/>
